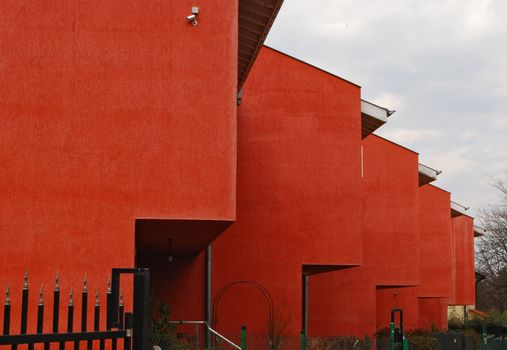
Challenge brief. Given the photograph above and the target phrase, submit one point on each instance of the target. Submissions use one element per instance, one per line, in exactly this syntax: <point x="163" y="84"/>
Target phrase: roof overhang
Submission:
<point x="479" y="231"/>
<point x="427" y="174"/>
<point x="458" y="209"/>
<point x="255" y="20"/>
<point x="372" y="117"/>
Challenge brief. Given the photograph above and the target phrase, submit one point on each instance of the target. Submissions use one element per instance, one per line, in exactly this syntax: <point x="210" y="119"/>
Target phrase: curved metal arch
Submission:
<point x="259" y="287"/>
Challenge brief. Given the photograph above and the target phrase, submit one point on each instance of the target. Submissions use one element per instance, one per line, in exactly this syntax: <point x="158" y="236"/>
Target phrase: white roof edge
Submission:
<point x="479" y="231"/>
<point x="375" y="111"/>
<point x="459" y="208"/>
<point x="430" y="172"/>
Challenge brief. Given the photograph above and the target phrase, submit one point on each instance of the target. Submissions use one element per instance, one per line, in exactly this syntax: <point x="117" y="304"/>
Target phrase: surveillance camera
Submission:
<point x="192" y="19"/>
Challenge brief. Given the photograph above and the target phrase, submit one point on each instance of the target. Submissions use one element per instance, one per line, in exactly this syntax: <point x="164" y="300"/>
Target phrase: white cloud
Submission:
<point x="410" y="136"/>
<point x="442" y="64"/>
<point x="389" y="101"/>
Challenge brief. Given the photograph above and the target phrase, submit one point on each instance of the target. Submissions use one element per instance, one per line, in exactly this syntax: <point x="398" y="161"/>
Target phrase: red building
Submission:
<point x="125" y="142"/>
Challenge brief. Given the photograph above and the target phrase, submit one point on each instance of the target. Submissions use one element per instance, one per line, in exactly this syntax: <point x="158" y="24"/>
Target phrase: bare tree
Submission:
<point x="491" y="253"/>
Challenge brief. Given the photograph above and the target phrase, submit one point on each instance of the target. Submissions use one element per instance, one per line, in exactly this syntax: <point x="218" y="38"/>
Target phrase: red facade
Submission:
<point x="123" y="142"/>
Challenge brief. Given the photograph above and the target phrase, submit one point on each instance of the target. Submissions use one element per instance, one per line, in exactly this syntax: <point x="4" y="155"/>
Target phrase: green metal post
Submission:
<point x="303" y="340"/>
<point x="484" y="336"/>
<point x="367" y="342"/>
<point x="391" y="335"/>
<point x="405" y="343"/>
<point x="243" y="337"/>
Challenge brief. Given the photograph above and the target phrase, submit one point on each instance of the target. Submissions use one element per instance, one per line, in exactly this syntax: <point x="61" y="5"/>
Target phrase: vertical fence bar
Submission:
<point x="303" y="340"/>
<point x="109" y="302"/>
<point x="243" y="337"/>
<point x="56" y="308"/>
<point x="96" y="316"/>
<point x="24" y="308"/>
<point x="122" y="312"/>
<point x="84" y="307"/>
<point x="405" y="343"/>
<point x="96" y="320"/>
<point x="391" y="336"/>
<point x="141" y="296"/>
<point x="24" y="304"/>
<point x="40" y="311"/>
<point x="367" y="342"/>
<point x="70" y="319"/>
<point x="129" y="323"/>
<point x="56" y="304"/>
<point x="7" y="312"/>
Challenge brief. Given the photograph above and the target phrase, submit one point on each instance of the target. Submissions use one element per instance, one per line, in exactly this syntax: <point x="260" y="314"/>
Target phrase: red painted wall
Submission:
<point x="463" y="263"/>
<point x="341" y="303"/>
<point x="110" y="111"/>
<point x="435" y="245"/>
<point x="390" y="216"/>
<point x="347" y="302"/>
<point x="299" y="189"/>
<point x="396" y="297"/>
<point x="433" y="313"/>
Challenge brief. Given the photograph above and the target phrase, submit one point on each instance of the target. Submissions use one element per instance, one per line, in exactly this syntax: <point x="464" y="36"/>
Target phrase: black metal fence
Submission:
<point x="127" y="329"/>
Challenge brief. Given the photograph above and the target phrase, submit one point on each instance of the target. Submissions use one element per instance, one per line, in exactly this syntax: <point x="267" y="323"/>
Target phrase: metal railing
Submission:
<point x="125" y="326"/>
<point x="211" y="330"/>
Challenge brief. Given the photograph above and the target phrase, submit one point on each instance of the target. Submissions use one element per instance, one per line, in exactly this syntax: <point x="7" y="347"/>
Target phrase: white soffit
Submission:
<point x="458" y="209"/>
<point x="479" y="231"/>
<point x="427" y="174"/>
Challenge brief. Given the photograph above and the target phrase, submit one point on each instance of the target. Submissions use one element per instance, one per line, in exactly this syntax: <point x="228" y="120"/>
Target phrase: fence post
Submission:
<point x="243" y="337"/>
<point x="391" y="336"/>
<point x="367" y="342"/>
<point x="484" y="338"/>
<point x="303" y="340"/>
<point x="405" y="343"/>
<point x="141" y="312"/>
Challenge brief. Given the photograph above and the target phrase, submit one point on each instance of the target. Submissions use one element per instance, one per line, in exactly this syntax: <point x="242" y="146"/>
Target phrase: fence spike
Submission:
<point x="85" y="287"/>
<point x="41" y="292"/>
<point x="71" y="297"/>
<point x="8" y="296"/>
<point x="97" y="298"/>
<point x="57" y="282"/>
<point x="25" y="283"/>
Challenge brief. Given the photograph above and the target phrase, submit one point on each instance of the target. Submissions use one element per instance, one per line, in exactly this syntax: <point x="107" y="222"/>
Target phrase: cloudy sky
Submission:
<point x="441" y="64"/>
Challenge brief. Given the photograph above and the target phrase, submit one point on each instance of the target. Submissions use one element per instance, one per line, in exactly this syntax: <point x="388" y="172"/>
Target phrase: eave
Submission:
<point x="372" y="117"/>
<point x="255" y="20"/>
<point x="479" y="231"/>
<point x="427" y="174"/>
<point x="458" y="209"/>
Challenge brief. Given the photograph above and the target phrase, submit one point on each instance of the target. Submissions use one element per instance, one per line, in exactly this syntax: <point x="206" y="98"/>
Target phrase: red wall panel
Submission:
<point x="436" y="240"/>
<point x="110" y="111"/>
<point x="299" y="187"/>
<point x="463" y="263"/>
<point x="390" y="215"/>
<point x="433" y="313"/>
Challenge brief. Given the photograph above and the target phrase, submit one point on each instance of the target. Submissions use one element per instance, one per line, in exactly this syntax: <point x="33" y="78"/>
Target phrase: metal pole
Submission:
<point x="391" y="335"/>
<point x="305" y="304"/>
<point x="367" y="342"/>
<point x="303" y="340"/>
<point x="243" y="337"/>
<point x="405" y="343"/>
<point x="207" y="311"/>
<point x="7" y="312"/>
<point x="141" y="295"/>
